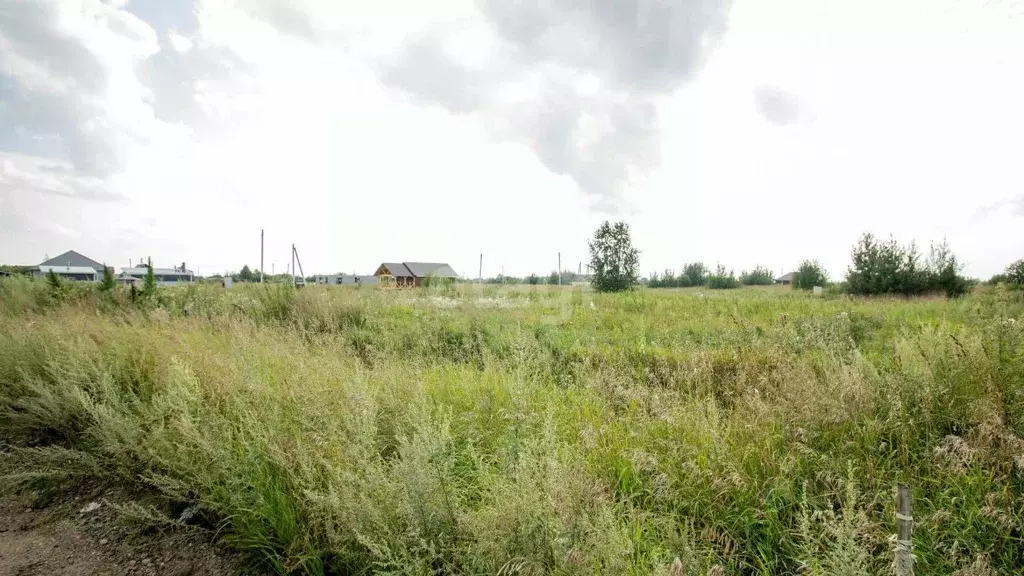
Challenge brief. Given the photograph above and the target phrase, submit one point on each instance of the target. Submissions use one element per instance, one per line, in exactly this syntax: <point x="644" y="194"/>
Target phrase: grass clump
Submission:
<point x="533" y="431"/>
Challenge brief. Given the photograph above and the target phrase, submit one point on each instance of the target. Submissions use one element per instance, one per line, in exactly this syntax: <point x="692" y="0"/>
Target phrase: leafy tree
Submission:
<point x="613" y="258"/>
<point x="722" y="279"/>
<point x="107" y="284"/>
<point x="553" y="277"/>
<point x="759" y="276"/>
<point x="809" y="274"/>
<point x="697" y="272"/>
<point x="889" y="268"/>
<point x="943" y="272"/>
<point x="884" y="268"/>
<point x="149" y="282"/>
<point x="246" y="275"/>
<point x="533" y="279"/>
<point x="1015" y="274"/>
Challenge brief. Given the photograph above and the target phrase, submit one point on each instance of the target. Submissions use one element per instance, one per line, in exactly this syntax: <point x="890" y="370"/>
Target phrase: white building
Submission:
<point x="71" y="266"/>
<point x="163" y="276"/>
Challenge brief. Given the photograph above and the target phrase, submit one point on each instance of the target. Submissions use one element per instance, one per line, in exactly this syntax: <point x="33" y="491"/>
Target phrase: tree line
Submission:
<point x="877" y="268"/>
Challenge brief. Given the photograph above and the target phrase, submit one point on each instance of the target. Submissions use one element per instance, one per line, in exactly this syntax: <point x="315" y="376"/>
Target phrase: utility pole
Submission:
<point x="480" y="272"/>
<point x="293" y="265"/>
<point x="559" y="268"/>
<point x="261" y="255"/>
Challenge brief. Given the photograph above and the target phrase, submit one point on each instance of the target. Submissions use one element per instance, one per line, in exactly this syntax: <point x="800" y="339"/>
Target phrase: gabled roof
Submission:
<point x="418" y="269"/>
<point x="436" y="269"/>
<point x="397" y="269"/>
<point x="785" y="277"/>
<point x="73" y="259"/>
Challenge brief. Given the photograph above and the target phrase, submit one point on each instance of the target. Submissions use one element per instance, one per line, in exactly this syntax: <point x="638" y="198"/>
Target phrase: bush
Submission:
<point x="1014" y="275"/>
<point x="107" y="284"/>
<point x="809" y="274"/>
<point x="697" y="272"/>
<point x="149" y="282"/>
<point x="668" y="279"/>
<point x="722" y="280"/>
<point x="759" y="276"/>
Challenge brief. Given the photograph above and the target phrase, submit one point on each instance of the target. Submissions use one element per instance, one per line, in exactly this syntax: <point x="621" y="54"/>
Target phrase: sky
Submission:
<point x="738" y="132"/>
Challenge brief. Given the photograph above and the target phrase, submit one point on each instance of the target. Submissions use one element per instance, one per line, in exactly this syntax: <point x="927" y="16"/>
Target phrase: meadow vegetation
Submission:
<point x="535" y="430"/>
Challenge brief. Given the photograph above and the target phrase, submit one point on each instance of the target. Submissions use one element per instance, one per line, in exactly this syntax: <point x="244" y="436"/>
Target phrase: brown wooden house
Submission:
<point x="407" y="274"/>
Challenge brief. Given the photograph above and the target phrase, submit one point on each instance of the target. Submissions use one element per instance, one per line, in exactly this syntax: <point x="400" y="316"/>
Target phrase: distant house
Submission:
<point x="72" y="266"/>
<point x="785" y="279"/>
<point x="163" y="276"/>
<point x="412" y="273"/>
<point x="346" y="280"/>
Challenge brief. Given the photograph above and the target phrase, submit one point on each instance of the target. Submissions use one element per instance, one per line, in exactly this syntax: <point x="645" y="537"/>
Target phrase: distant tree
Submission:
<point x="884" y="268"/>
<point x="889" y="268"/>
<point x="533" y="279"/>
<point x="943" y="271"/>
<point x="809" y="274"/>
<point x="613" y="258"/>
<point x="759" y="276"/>
<point x="553" y="277"/>
<point x="997" y="279"/>
<point x="149" y="282"/>
<point x="107" y="284"/>
<point x="722" y="279"/>
<point x="1015" y="274"/>
<point x="697" y="272"/>
<point x="245" y="275"/>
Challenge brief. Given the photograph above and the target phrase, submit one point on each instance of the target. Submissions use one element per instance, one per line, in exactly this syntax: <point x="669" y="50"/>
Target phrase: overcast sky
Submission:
<point x="743" y="132"/>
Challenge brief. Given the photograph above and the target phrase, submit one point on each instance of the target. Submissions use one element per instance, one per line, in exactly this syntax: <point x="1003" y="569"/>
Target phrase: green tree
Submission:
<point x="809" y="274"/>
<point x="246" y="275"/>
<point x="613" y="258"/>
<point x="1014" y="275"/>
<point x="943" y="271"/>
<point x="759" y="276"/>
<point x="697" y="272"/>
<point x="149" y="282"/>
<point x="54" y="281"/>
<point x="107" y="284"/>
<point x="722" y="279"/>
<point x="533" y="279"/>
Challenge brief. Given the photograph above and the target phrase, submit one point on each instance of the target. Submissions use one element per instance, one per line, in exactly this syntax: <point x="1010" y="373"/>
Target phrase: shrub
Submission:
<point x="722" y="280"/>
<point x="759" y="276"/>
<point x="809" y="274"/>
<point x="697" y="272"/>
<point x="149" y="283"/>
<point x="107" y="284"/>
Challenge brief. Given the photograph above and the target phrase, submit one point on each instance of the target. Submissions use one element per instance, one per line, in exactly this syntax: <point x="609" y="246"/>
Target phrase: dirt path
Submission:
<point x="80" y="536"/>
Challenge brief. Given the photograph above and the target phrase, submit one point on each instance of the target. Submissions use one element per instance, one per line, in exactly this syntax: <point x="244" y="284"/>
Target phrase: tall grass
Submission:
<point x="534" y="431"/>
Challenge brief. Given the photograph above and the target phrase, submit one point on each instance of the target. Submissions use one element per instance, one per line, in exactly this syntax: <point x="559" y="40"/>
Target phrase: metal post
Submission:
<point x="480" y="273"/>
<point x="261" y="255"/>
<point x="904" y="563"/>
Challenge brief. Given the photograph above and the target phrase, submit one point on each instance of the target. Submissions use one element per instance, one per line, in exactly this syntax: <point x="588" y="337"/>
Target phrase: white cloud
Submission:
<point x="178" y="42"/>
<point x="792" y="138"/>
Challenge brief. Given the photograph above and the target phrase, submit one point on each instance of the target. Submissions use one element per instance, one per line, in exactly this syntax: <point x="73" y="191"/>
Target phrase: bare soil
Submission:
<point x="84" y="534"/>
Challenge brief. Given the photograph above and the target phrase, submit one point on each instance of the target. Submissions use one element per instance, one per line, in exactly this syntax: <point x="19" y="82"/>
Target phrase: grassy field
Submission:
<point x="555" y="431"/>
